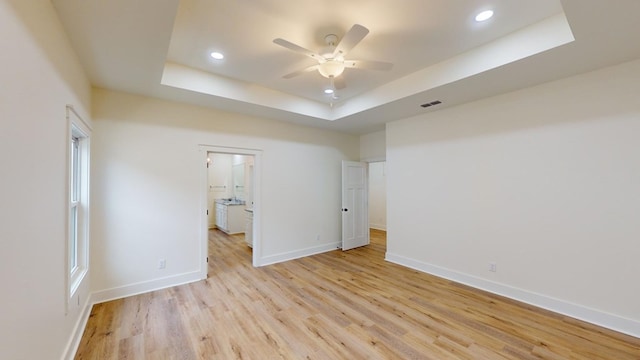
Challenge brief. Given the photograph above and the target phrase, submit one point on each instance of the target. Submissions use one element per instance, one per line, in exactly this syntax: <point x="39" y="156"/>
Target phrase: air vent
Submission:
<point x="426" y="105"/>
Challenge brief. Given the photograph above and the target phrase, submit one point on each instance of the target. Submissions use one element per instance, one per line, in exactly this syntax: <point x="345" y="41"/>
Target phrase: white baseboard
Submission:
<point x="610" y="321"/>
<point x="144" y="287"/>
<point x="78" y="331"/>
<point x="382" y="227"/>
<point x="273" y="259"/>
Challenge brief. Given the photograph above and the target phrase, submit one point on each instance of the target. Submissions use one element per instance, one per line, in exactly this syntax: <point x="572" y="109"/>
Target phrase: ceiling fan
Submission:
<point x="331" y="59"/>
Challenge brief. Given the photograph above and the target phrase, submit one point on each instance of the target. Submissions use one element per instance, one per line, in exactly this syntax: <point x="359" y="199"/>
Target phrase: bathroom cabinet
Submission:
<point x="248" y="232"/>
<point x="230" y="218"/>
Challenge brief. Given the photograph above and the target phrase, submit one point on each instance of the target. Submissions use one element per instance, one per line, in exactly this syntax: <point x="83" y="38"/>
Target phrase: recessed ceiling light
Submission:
<point x="217" y="55"/>
<point x="485" y="15"/>
<point x="328" y="91"/>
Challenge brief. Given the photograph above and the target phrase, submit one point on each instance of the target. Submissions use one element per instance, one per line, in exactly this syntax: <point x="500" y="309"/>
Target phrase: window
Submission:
<point x="74" y="203"/>
<point x="78" y="242"/>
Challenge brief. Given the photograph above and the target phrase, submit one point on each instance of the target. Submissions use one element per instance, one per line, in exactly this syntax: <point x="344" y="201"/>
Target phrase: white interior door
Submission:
<point x="355" y="211"/>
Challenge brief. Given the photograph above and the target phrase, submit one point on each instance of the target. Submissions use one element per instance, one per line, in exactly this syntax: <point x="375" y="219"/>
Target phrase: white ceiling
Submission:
<point x="161" y="48"/>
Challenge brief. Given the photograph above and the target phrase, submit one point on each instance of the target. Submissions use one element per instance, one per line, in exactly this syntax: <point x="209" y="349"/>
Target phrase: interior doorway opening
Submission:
<point x="378" y="195"/>
<point x="231" y="198"/>
<point x="377" y="177"/>
<point x="230" y="193"/>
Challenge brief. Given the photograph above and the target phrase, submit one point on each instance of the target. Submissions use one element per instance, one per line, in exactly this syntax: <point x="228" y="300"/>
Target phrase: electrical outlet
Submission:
<point x="162" y="263"/>
<point x="493" y="267"/>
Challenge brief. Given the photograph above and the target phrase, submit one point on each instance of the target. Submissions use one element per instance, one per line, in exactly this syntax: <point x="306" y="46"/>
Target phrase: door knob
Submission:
<point x="345" y="210"/>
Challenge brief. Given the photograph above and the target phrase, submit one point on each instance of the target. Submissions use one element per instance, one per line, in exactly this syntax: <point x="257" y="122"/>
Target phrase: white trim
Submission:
<point x="145" y="287"/>
<point x="257" y="201"/>
<point x="77" y="126"/>
<point x="297" y="254"/>
<point x="78" y="330"/>
<point x="610" y="321"/>
<point x="78" y="277"/>
<point x="83" y="125"/>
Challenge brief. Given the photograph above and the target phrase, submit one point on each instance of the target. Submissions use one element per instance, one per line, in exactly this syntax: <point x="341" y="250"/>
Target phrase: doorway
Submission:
<point x="230" y="181"/>
<point x="378" y="195"/>
<point x="378" y="204"/>
<point x="364" y="205"/>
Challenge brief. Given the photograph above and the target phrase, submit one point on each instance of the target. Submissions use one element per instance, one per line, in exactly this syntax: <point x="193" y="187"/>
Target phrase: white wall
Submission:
<point x="40" y="76"/>
<point x="544" y="182"/>
<point x="378" y="195"/>
<point x="146" y="195"/>
<point x="373" y="146"/>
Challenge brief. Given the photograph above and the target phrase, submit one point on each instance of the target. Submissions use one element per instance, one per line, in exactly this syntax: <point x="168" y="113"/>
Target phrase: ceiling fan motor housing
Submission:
<point x="331" y="39"/>
<point x="331" y="59"/>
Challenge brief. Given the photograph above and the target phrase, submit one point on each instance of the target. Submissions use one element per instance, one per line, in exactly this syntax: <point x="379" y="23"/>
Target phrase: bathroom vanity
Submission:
<point x="230" y="216"/>
<point x="248" y="232"/>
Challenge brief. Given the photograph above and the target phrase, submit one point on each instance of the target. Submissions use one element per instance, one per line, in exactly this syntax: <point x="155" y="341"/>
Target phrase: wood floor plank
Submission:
<point x="336" y="305"/>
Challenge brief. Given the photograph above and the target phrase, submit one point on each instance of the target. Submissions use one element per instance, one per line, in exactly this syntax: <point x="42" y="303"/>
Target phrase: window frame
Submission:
<point x="74" y="203"/>
<point x="77" y="243"/>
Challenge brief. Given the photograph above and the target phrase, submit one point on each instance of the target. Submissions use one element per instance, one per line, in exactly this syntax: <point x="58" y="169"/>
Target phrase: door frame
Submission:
<point x="257" y="201"/>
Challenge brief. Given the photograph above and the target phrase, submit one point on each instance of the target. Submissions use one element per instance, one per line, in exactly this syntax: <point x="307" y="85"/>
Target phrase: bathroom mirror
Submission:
<point x="238" y="181"/>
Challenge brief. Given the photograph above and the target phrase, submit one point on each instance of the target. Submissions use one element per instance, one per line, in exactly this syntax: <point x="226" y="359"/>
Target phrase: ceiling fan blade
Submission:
<point x="338" y="83"/>
<point x="299" y="49"/>
<point x="368" y="65"/>
<point x="350" y="40"/>
<point x="300" y="72"/>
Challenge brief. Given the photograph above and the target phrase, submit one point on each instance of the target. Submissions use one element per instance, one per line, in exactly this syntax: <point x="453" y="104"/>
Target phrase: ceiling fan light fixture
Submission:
<point x="331" y="68"/>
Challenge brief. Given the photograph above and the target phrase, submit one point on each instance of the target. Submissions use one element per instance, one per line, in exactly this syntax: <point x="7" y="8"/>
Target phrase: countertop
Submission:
<point x="230" y="202"/>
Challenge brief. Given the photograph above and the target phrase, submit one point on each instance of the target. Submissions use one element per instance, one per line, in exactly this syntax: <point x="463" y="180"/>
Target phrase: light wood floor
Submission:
<point x="337" y="305"/>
